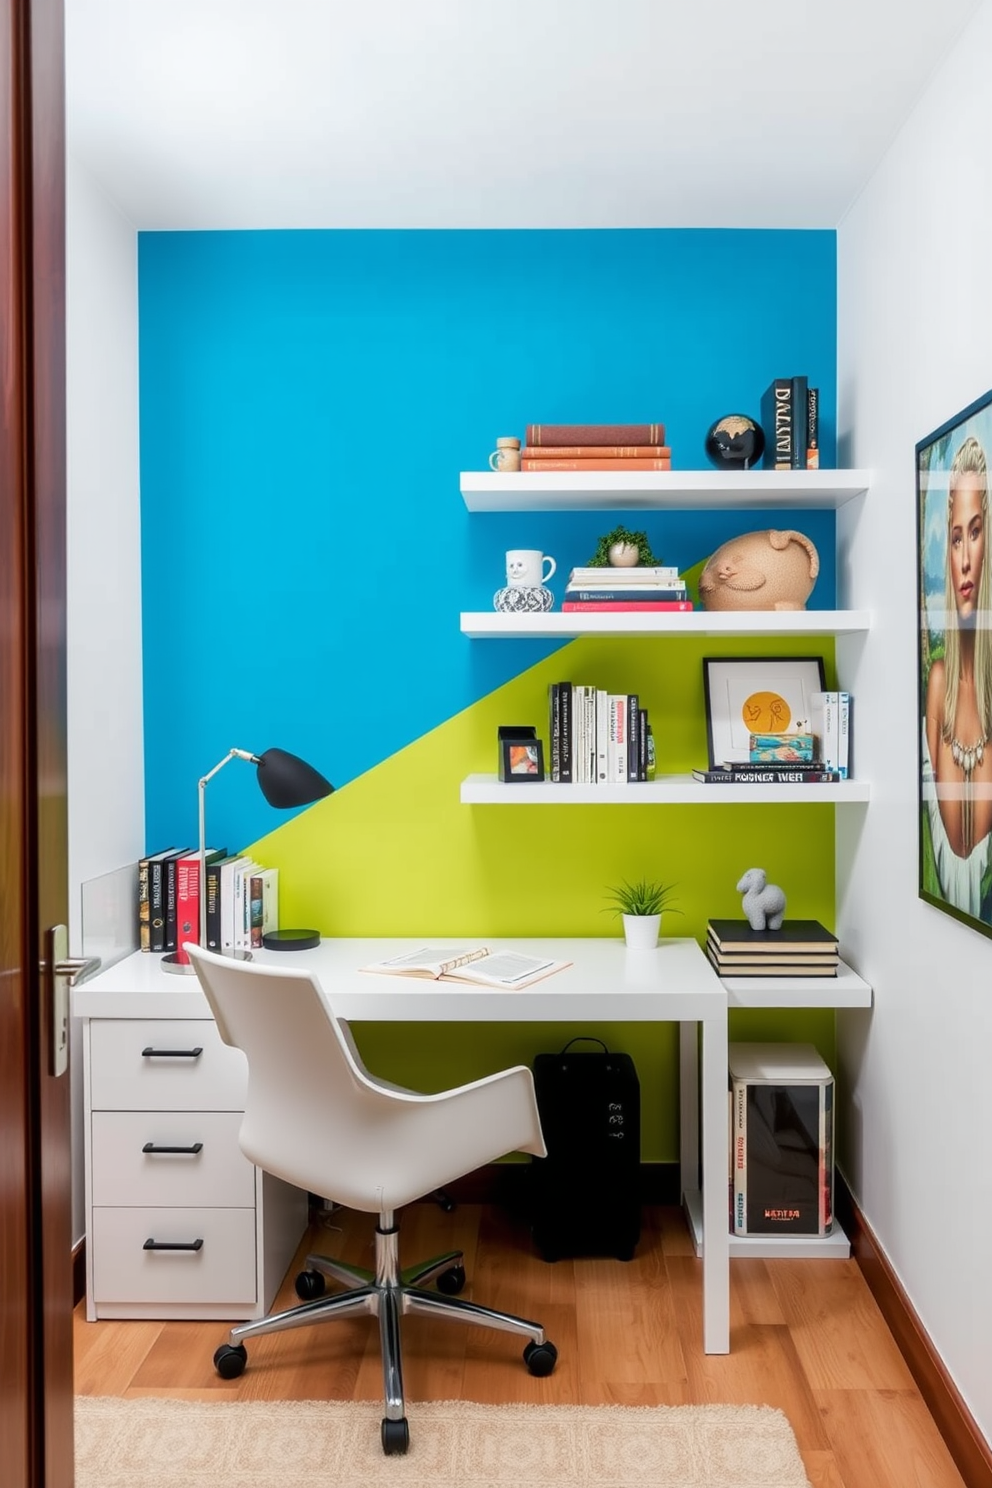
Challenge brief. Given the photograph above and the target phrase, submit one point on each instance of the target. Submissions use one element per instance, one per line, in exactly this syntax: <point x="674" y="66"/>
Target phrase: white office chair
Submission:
<point x="316" y="1118"/>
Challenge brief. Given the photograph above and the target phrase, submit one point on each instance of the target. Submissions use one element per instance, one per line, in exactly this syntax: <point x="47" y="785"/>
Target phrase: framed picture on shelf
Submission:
<point x="954" y="727"/>
<point x="521" y="761"/>
<point x="756" y="694"/>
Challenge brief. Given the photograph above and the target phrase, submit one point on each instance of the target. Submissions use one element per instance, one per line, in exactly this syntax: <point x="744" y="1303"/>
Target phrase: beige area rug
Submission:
<point x="148" y="1443"/>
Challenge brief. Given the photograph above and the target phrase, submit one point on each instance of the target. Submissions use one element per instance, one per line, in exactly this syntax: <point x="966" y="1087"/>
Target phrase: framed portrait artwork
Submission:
<point x="954" y="563"/>
<point x="756" y="694"/>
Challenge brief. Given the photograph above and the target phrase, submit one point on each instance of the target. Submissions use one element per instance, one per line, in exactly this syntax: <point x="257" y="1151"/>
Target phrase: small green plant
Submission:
<point x="638" y="540"/>
<point x="645" y="897"/>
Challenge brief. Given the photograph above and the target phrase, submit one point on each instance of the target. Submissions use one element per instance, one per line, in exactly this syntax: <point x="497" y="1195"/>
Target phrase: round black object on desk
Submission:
<point x="291" y="940"/>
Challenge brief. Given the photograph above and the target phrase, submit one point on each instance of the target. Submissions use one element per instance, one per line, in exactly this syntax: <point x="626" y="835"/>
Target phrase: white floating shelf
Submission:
<point x="670" y="790"/>
<point x="609" y="490"/>
<point x="481" y="625"/>
<point x="834" y="1246"/>
<point x="845" y="990"/>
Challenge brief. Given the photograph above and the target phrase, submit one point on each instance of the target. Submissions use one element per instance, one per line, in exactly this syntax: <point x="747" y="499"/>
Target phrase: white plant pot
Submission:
<point x="641" y="931"/>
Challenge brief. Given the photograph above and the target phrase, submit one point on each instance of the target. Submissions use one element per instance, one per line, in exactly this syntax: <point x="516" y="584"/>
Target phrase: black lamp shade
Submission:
<point x="285" y="780"/>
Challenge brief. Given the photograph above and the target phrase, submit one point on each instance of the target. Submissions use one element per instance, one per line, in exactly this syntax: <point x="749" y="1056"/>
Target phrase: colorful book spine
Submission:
<point x="597" y="434"/>
<point x="590" y="465"/>
<point x="777" y="424"/>
<point x="617" y="758"/>
<point x="264" y="902"/>
<point x="812" y="428"/>
<point x="765" y="775"/>
<point x="187" y="903"/>
<point x="602" y="736"/>
<point x="622" y="606"/>
<point x="597" y="452"/>
<point x="144" y="911"/>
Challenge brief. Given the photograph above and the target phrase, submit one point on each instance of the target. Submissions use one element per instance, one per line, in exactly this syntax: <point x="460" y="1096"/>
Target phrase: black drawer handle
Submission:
<point x="154" y="1147"/>
<point x="172" y="1244"/>
<point x="150" y="1053"/>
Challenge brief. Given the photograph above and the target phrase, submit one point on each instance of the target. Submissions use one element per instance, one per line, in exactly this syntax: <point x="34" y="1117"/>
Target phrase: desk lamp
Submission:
<point x="285" y="781"/>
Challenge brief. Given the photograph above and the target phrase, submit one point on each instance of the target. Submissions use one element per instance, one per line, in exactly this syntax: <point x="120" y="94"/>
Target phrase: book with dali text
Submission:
<point x="508" y="969"/>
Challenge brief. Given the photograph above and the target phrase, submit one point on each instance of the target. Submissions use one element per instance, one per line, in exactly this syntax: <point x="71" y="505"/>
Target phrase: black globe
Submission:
<point x="734" y="442"/>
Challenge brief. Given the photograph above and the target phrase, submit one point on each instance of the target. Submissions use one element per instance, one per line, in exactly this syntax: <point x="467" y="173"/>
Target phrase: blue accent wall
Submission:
<point x="307" y="402"/>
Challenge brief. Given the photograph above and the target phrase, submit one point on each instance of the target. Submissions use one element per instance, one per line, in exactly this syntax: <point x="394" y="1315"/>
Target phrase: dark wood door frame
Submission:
<point x="35" y="1179"/>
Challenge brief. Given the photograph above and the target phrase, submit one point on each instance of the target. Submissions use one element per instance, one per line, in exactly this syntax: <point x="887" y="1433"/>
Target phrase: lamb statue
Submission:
<point x="763" y="903"/>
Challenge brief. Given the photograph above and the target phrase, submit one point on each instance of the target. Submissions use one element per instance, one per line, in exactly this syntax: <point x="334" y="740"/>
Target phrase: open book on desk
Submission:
<point x="508" y="969"/>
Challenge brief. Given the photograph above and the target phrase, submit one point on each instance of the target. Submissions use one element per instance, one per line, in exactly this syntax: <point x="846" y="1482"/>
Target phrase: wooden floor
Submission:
<point x="806" y="1336"/>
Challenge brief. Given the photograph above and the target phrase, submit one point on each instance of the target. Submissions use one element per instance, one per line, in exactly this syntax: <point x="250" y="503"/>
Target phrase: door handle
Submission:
<point x="60" y="973"/>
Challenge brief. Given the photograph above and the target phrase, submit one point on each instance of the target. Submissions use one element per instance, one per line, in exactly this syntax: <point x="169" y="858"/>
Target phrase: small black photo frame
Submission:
<point x="521" y="756"/>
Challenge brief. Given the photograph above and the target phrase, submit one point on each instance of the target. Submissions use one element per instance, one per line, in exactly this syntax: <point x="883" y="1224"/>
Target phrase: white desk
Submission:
<point x="674" y="983"/>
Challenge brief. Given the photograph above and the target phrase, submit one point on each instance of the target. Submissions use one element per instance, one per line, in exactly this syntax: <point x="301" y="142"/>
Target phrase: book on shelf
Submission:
<point x="602" y="736"/>
<point x="767" y="775"/>
<point x="581" y="466"/>
<point x="825" y="956"/>
<point x="264" y="904"/>
<point x="478" y="964"/>
<point x="170" y="868"/>
<point x="800" y="415"/>
<point x="214" y="871"/>
<point x="770" y="968"/>
<point x="623" y="606"/>
<point x="188" y="894"/>
<point x="830" y="721"/>
<point x="597" y="452"/>
<point x="633" y="753"/>
<point x="609" y="577"/>
<point x="228" y="869"/>
<point x="150" y="900"/>
<point x="597" y="434"/>
<point x="627" y="593"/>
<point x="812" y="428"/>
<point x="778" y="423"/>
<point x="565" y="706"/>
<point x="805" y="935"/>
<point x="782" y="1140"/>
<point x="617" y="748"/>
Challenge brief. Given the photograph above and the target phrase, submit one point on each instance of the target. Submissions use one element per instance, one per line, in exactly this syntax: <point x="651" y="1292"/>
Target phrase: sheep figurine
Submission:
<point x="763" y="903"/>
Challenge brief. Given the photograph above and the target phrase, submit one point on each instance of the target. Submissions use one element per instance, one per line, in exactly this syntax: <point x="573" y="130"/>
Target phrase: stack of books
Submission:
<point x="801" y="948"/>
<point x="586" y="447"/>
<point x="625" y="589"/>
<point x="242" y="900"/>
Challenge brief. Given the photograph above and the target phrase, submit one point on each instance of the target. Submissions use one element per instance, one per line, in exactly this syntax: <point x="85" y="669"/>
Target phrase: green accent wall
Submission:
<point x="395" y="853"/>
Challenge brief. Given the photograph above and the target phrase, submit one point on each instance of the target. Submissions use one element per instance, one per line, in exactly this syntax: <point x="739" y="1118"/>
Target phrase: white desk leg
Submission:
<point x="688" y="1107"/>
<point x="716" y="1236"/>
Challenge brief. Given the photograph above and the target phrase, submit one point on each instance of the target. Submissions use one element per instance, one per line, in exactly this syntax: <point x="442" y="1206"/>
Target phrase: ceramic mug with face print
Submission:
<point x="525" y="567"/>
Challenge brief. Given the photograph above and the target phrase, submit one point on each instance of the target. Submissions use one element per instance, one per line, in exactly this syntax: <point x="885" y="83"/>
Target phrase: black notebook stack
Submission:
<point x="799" y="948"/>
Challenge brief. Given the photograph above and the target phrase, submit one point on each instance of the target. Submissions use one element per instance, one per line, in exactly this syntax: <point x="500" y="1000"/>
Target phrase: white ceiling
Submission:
<point x="494" y="113"/>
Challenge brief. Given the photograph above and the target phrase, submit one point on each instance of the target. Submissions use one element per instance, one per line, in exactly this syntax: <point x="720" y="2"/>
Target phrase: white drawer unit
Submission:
<point x="179" y="1224"/>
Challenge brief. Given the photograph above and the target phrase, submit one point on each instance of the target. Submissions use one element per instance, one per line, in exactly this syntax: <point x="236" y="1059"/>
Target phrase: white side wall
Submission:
<point x="914" y="347"/>
<point x="105" y="738"/>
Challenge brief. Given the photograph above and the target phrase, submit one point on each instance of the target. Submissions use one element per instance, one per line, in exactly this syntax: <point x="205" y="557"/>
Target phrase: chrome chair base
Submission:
<point x="387" y="1293"/>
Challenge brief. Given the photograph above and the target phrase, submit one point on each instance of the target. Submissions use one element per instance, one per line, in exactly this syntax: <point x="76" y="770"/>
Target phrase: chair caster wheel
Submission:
<point x="540" y="1358"/>
<point x="309" y="1286"/>
<point x="395" y="1436"/>
<point x="452" y="1281"/>
<point x="230" y="1360"/>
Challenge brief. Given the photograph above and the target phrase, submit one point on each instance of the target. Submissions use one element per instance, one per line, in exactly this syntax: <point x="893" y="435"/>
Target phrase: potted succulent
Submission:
<point x="640" y="906"/>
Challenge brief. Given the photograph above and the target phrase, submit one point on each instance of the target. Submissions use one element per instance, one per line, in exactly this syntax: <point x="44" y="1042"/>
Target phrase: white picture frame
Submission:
<point x="756" y="694"/>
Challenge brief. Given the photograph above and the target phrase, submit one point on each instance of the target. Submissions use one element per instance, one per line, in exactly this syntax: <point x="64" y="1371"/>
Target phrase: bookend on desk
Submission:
<point x="521" y="754"/>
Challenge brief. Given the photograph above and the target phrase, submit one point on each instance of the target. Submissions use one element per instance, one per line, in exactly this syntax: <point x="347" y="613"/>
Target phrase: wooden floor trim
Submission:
<point x="965" y="1442"/>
